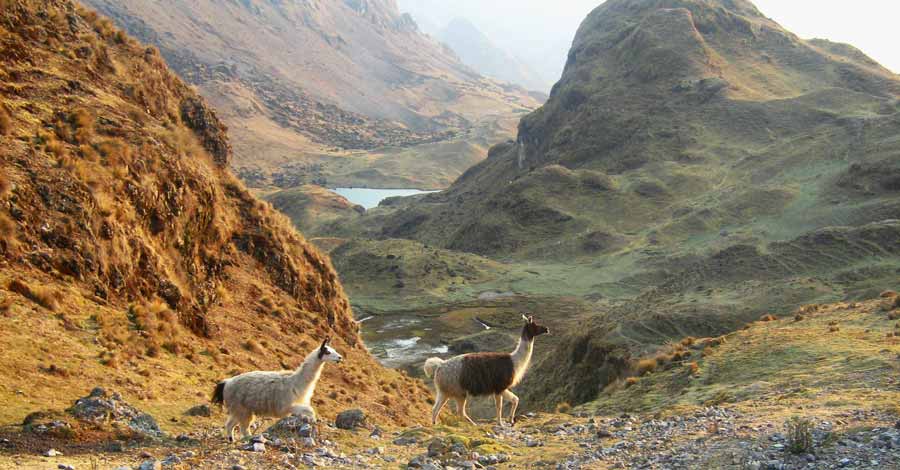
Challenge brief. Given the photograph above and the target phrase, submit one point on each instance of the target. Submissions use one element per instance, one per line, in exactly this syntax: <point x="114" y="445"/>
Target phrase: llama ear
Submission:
<point x="326" y="341"/>
<point x="525" y="318"/>
<point x="530" y="318"/>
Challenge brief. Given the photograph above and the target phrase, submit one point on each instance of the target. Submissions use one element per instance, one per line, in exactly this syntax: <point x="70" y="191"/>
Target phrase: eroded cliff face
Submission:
<point x="125" y="236"/>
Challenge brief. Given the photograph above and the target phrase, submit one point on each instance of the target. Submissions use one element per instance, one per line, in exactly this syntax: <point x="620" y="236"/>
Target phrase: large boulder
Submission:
<point x="101" y="407"/>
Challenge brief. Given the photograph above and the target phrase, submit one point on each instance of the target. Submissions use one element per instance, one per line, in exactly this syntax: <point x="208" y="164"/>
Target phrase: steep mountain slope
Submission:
<point x="478" y="52"/>
<point x="696" y="167"/>
<point x="131" y="257"/>
<point x="304" y="83"/>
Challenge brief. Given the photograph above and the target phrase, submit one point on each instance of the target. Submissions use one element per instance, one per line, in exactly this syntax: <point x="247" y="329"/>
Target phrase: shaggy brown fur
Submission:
<point x="487" y="373"/>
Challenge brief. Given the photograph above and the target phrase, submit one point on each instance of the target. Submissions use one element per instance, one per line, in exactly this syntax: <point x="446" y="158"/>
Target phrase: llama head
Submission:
<point x="327" y="353"/>
<point x="532" y="329"/>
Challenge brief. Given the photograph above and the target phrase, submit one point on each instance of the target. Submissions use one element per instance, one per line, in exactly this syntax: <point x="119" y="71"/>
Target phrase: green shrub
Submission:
<point x="799" y="435"/>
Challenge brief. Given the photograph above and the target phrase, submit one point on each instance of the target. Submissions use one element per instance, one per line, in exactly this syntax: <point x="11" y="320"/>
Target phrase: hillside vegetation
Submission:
<point x="131" y="257"/>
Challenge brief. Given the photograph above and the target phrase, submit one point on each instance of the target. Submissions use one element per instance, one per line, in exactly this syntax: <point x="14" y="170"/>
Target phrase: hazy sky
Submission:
<point x="541" y="31"/>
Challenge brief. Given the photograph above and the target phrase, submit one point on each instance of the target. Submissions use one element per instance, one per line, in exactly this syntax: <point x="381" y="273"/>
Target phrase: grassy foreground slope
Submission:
<point x="131" y="257"/>
<point x="725" y="403"/>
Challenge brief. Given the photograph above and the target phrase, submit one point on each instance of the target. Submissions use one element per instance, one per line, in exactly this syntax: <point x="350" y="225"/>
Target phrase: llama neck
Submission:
<point x="521" y="357"/>
<point x="305" y="379"/>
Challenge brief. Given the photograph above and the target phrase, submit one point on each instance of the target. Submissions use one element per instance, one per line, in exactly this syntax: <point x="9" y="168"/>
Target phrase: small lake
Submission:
<point x="370" y="198"/>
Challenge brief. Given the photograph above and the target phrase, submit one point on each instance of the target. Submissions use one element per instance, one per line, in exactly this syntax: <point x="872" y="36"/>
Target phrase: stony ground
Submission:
<point x="714" y="437"/>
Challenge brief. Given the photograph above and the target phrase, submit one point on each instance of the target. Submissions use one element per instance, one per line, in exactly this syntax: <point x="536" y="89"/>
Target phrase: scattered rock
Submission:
<point x="405" y="441"/>
<point x="52" y="453"/>
<point x="199" y="410"/>
<point x="350" y="419"/>
<point x="151" y="465"/>
<point x="64" y="466"/>
<point x="292" y="427"/>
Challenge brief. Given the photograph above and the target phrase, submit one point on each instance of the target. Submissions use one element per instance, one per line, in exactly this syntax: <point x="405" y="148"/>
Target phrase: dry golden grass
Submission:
<point x="6" y="305"/>
<point x="693" y="368"/>
<point x="44" y="296"/>
<point x="5" y="184"/>
<point x="646" y="366"/>
<point x="631" y="381"/>
<point x="563" y="407"/>
<point x="57" y="148"/>
<point x="768" y="318"/>
<point x="8" y="233"/>
<point x="253" y="346"/>
<point x="5" y="121"/>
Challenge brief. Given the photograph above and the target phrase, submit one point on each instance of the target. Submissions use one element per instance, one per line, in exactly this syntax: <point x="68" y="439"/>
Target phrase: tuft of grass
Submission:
<point x="693" y="368"/>
<point x="799" y="317"/>
<point x="5" y="121"/>
<point x="44" y="296"/>
<point x="53" y="369"/>
<point x="563" y="407"/>
<point x="768" y="318"/>
<point x="57" y="148"/>
<point x="5" y="305"/>
<point x="799" y="435"/>
<point x="253" y="346"/>
<point x="8" y="233"/>
<point x="630" y="382"/>
<point x="646" y="366"/>
<point x="5" y="184"/>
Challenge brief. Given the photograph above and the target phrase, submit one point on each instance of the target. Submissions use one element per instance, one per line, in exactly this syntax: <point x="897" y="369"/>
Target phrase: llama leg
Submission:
<point x="439" y="403"/>
<point x="245" y="426"/>
<point x="230" y="423"/>
<point x="498" y="402"/>
<point x="304" y="411"/>
<point x="464" y="414"/>
<point x="513" y="403"/>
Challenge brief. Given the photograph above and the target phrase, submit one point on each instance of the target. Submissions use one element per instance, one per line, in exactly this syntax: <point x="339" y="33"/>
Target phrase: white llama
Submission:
<point x="272" y="394"/>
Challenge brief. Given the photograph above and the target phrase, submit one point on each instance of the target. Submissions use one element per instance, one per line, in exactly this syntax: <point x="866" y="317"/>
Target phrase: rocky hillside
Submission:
<point x="697" y="166"/>
<point x="131" y="257"/>
<point x="364" y="78"/>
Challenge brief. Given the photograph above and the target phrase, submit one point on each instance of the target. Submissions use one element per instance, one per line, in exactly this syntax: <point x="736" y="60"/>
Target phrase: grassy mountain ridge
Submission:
<point x="366" y="86"/>
<point x="132" y="257"/>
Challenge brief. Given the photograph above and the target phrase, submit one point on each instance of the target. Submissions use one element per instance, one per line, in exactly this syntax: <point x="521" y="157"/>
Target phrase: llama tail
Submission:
<point x="431" y="365"/>
<point x="219" y="393"/>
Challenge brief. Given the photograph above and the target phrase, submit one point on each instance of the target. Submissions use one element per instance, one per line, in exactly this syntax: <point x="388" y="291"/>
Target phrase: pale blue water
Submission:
<point x="370" y="198"/>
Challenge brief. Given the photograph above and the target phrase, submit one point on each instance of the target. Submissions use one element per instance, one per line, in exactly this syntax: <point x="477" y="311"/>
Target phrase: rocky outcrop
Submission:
<point x="108" y="408"/>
